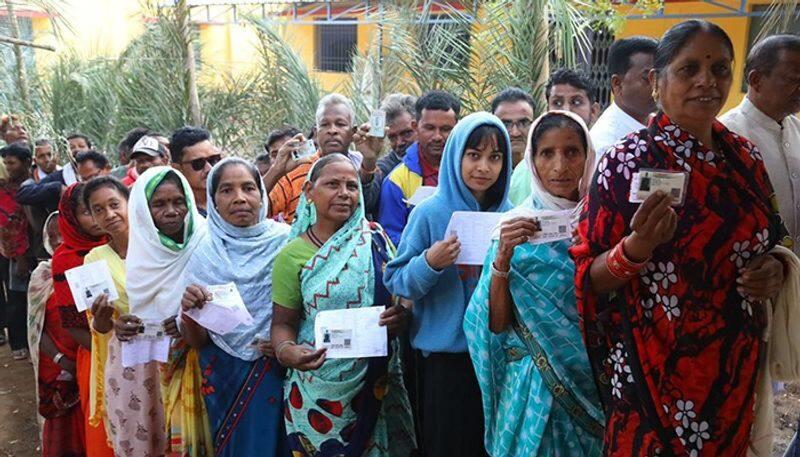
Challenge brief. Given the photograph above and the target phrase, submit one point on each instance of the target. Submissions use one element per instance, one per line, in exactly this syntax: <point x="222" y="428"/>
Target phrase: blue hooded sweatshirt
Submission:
<point x="441" y="297"/>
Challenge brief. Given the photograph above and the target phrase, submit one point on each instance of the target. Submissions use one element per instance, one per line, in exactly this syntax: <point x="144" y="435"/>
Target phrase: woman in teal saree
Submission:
<point x="348" y="407"/>
<point x="539" y="396"/>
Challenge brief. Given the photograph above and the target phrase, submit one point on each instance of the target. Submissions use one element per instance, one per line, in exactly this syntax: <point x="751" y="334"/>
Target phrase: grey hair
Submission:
<point x="331" y="100"/>
<point x="396" y="104"/>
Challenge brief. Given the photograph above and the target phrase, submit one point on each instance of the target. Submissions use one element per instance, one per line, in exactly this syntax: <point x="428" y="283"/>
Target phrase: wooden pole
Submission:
<point x="30" y="44"/>
<point x="22" y="76"/>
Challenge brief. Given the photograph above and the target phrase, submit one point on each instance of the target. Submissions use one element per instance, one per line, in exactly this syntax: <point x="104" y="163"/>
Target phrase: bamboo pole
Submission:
<point x="22" y="76"/>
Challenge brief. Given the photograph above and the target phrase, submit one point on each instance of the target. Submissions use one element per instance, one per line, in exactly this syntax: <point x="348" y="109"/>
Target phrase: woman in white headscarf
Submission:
<point x="523" y="334"/>
<point x="166" y="229"/>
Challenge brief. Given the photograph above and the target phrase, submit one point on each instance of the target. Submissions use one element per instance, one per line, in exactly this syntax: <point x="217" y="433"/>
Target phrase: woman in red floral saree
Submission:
<point x="670" y="295"/>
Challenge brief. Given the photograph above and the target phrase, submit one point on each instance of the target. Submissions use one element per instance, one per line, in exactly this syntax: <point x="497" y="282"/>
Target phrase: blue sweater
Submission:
<point x="441" y="297"/>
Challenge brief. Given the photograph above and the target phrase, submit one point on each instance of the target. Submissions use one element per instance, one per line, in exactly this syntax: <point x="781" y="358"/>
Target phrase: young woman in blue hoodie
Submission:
<point x="474" y="176"/>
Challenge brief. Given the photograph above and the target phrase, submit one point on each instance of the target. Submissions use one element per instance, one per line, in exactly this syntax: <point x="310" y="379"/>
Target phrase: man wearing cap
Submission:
<point x="147" y="152"/>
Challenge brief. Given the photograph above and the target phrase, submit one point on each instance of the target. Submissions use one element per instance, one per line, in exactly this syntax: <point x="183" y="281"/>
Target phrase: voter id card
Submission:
<point x="554" y="226"/>
<point x="377" y="123"/>
<point x="646" y="182"/>
<point x="306" y="149"/>
<point x="152" y="330"/>
<point x="337" y="338"/>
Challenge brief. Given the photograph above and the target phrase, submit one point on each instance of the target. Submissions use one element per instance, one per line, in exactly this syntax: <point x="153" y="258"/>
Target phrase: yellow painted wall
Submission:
<point x="104" y="28"/>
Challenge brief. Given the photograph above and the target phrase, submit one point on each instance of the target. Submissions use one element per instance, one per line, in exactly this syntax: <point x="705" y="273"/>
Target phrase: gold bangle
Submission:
<point x="281" y="347"/>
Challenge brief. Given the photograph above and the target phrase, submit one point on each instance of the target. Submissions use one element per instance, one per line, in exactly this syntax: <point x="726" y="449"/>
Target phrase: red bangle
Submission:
<point x="620" y="266"/>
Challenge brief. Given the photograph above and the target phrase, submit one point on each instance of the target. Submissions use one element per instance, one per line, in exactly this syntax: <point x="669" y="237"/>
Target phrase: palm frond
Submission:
<point x="779" y="17"/>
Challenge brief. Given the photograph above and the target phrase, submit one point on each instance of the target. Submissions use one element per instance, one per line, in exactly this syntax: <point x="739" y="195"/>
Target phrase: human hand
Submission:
<point x="653" y="224"/>
<point x="301" y="357"/>
<point x="171" y="327"/>
<point x="395" y="319"/>
<point x="265" y="347"/>
<point x="761" y="279"/>
<point x="195" y="297"/>
<point x="126" y="327"/>
<point x="102" y="312"/>
<point x="284" y="159"/>
<point x="513" y="232"/>
<point x="369" y="146"/>
<point x="443" y="253"/>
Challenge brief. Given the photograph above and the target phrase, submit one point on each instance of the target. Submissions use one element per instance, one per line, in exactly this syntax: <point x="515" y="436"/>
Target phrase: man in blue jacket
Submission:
<point x="436" y="114"/>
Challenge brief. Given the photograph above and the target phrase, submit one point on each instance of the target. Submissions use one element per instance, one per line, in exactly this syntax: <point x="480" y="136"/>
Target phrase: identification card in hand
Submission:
<point x="351" y="333"/>
<point x="554" y="226"/>
<point x="646" y="182"/>
<point x="377" y="123"/>
<point x="89" y="281"/>
<point x="152" y="330"/>
<point x="224" y="312"/>
<point x="306" y="149"/>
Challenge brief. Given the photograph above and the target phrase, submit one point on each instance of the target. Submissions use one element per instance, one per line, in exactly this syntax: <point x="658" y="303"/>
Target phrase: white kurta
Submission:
<point x="612" y="126"/>
<point x="779" y="144"/>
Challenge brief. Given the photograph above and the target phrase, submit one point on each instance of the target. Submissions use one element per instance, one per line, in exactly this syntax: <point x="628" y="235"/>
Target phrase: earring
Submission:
<point x="654" y="94"/>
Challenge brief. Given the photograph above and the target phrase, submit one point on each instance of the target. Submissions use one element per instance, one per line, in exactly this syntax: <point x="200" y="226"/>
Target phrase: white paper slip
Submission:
<point x="377" y="123"/>
<point x="143" y="349"/>
<point x="646" y="182"/>
<point x="554" y="226"/>
<point x="351" y="333"/>
<point x="224" y="312"/>
<point x="474" y="231"/>
<point x="88" y="281"/>
<point x="421" y="194"/>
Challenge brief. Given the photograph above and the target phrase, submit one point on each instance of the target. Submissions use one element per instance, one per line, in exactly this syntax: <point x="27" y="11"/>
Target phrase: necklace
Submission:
<point x="314" y="238"/>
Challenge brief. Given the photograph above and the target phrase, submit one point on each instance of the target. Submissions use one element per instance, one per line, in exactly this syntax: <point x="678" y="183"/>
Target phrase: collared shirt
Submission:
<point x="779" y="144"/>
<point x="612" y="126"/>
<point x="39" y="174"/>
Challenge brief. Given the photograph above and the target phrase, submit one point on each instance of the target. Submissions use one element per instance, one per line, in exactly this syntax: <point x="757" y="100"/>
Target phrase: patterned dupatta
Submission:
<point x="337" y="409"/>
<point x="676" y="351"/>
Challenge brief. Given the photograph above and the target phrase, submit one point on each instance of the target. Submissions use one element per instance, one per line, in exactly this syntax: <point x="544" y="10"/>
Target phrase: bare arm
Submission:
<point x="653" y="224"/>
<point x="285" y="322"/>
<point x="82" y="337"/>
<point x="512" y="233"/>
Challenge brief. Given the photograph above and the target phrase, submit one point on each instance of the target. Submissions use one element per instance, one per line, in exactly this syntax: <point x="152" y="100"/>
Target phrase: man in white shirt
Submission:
<point x="766" y="117"/>
<point x="629" y="62"/>
<point x="45" y="158"/>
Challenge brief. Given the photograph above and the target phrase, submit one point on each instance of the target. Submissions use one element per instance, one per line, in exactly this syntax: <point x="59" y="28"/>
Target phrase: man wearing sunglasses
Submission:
<point x="193" y="155"/>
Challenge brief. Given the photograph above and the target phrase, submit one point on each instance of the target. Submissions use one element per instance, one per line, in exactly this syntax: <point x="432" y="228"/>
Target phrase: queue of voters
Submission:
<point x="574" y="282"/>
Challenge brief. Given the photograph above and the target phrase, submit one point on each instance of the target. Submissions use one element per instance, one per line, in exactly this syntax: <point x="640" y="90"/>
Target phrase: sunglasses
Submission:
<point x="199" y="164"/>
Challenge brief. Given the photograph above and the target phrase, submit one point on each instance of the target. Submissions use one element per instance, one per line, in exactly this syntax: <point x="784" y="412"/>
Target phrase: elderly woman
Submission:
<point x="79" y="234"/>
<point x="168" y="231"/>
<point x="671" y="293"/>
<point x="127" y="399"/>
<point x="522" y="322"/>
<point x="355" y="406"/>
<point x="240" y="248"/>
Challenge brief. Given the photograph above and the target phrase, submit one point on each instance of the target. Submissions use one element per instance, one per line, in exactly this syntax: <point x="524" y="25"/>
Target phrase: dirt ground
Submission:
<point x="19" y="432"/>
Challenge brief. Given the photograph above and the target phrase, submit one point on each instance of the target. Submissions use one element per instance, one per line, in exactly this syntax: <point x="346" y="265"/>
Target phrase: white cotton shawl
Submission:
<point x="540" y="198"/>
<point x="156" y="265"/>
<point x="783" y="352"/>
